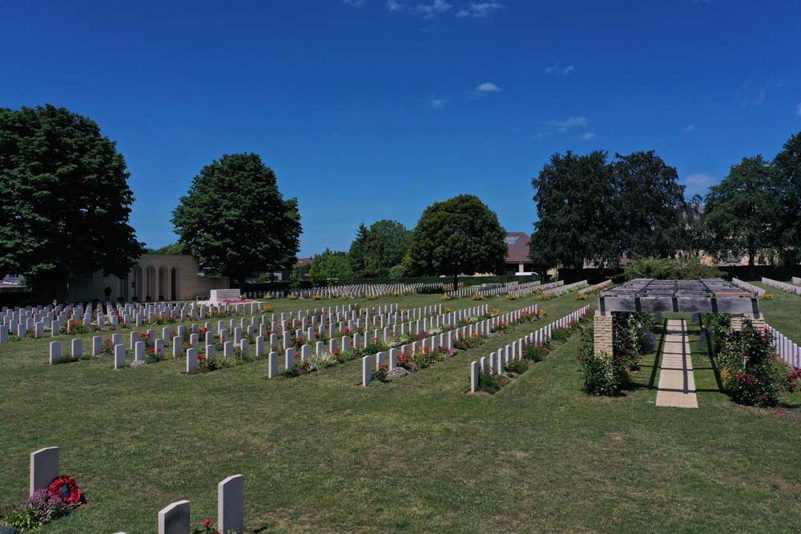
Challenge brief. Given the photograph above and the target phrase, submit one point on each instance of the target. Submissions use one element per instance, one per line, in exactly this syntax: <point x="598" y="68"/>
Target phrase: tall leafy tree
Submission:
<point x="358" y="251"/>
<point x="459" y="235"/>
<point x="787" y="168"/>
<point x="331" y="265"/>
<point x="235" y="221"/>
<point x="65" y="200"/>
<point x="576" y="201"/>
<point x="379" y="248"/>
<point x="739" y="213"/>
<point x="650" y="209"/>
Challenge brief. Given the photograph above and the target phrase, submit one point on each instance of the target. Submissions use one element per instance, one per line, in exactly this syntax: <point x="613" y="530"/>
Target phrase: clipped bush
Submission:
<point x="535" y="353"/>
<point x="748" y="369"/>
<point x="488" y="382"/>
<point x="670" y="269"/>
<point x="517" y="367"/>
<point x="603" y="374"/>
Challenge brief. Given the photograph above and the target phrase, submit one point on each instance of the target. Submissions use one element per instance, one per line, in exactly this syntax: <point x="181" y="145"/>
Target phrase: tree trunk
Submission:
<point x="455" y="282"/>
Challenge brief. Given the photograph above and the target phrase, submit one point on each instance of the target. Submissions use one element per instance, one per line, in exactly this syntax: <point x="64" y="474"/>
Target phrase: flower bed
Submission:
<point x="533" y="348"/>
<point x="608" y="374"/>
<point x="59" y="499"/>
<point x="749" y="370"/>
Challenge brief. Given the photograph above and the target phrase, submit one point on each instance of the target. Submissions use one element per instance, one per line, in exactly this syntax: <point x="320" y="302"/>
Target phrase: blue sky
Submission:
<point x="374" y="109"/>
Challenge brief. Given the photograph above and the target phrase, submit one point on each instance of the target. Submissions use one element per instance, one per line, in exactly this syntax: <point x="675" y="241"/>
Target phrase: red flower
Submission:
<point x="207" y="522"/>
<point x="66" y="489"/>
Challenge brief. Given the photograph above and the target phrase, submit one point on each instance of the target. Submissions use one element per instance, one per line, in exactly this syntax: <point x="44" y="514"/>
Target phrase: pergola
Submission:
<point x="691" y="296"/>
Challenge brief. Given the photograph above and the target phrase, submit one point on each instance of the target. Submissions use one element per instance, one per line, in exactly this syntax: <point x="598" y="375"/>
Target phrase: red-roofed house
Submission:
<point x="517" y="260"/>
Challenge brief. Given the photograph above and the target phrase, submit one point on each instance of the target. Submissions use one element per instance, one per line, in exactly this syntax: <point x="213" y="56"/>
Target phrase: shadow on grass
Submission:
<point x="710" y="353"/>
<point x="654" y="368"/>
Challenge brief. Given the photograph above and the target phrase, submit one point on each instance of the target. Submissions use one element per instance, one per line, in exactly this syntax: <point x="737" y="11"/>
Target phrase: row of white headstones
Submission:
<point x="495" y="362"/>
<point x="445" y="341"/>
<point x="360" y="290"/>
<point x="174" y="518"/>
<point x="350" y="313"/>
<point x="428" y="317"/>
<point x="40" y="320"/>
<point x="794" y="288"/>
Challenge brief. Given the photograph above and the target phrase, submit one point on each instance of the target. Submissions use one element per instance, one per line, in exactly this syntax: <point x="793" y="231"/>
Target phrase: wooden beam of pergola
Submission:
<point x="690" y="296"/>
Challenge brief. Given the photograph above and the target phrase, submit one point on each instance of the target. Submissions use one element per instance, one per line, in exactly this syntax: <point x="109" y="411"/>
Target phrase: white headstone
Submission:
<point x="119" y="356"/>
<point x="231" y="504"/>
<point x="367" y="370"/>
<point x="55" y="352"/>
<point x="44" y="468"/>
<point x="272" y="365"/>
<point x="174" y="519"/>
<point x="191" y="360"/>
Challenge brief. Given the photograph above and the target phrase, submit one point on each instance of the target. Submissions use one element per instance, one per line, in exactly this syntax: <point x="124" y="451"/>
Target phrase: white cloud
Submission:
<point x="433" y="9"/>
<point x="487" y="87"/>
<point x="438" y="103"/>
<point x="698" y="183"/>
<point x="559" y="70"/>
<point x="355" y="3"/>
<point x="394" y="5"/>
<point x="564" y="125"/>
<point x="588" y="136"/>
<point x="799" y="110"/>
<point x="754" y="93"/>
<point x="479" y="10"/>
<point x="689" y="128"/>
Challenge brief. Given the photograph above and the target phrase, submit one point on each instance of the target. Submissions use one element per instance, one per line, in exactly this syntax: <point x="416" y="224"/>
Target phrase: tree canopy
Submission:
<point x="591" y="210"/>
<point x="575" y="206"/>
<point x="65" y="200"/>
<point x="330" y="266"/>
<point x="459" y="235"/>
<point x="650" y="210"/>
<point x="738" y="211"/>
<point x="377" y="249"/>
<point x="787" y="173"/>
<point x="235" y="221"/>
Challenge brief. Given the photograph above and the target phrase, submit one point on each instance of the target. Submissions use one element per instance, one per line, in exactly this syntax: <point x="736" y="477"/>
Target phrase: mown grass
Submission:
<point x="783" y="312"/>
<point x="320" y="453"/>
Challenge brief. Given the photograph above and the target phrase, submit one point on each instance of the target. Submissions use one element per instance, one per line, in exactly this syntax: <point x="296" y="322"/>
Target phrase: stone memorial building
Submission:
<point x="154" y="277"/>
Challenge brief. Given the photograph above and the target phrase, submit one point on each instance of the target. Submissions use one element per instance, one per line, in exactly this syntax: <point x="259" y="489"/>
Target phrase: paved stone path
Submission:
<point x="676" y="381"/>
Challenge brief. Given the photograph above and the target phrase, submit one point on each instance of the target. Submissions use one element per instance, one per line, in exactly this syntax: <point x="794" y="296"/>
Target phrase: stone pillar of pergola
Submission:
<point x="690" y="296"/>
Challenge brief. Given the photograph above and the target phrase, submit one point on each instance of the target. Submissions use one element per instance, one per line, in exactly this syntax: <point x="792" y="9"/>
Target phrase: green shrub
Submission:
<point x="670" y="269"/>
<point x="560" y="335"/>
<point x="603" y="374"/>
<point x="468" y="342"/>
<point x="380" y="373"/>
<point x="488" y="382"/>
<point x="517" y="367"/>
<point x="535" y="353"/>
<point x="747" y="366"/>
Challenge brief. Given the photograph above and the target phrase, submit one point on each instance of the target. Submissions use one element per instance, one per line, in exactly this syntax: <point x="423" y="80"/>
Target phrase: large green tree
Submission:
<point x="459" y="235"/>
<point x="650" y="213"/>
<point x="787" y="169"/>
<point x="576" y="202"/>
<point x="65" y="200"/>
<point x="740" y="212"/>
<point x="330" y="266"/>
<point x="235" y="221"/>
<point x="377" y="249"/>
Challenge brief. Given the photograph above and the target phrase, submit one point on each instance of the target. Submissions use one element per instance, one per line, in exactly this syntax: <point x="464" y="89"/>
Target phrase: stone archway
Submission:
<point x="174" y="284"/>
<point x="163" y="292"/>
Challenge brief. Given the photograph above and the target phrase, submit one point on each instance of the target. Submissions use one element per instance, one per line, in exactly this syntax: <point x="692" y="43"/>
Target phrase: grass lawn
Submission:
<point x="320" y="453"/>
<point x="783" y="312"/>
